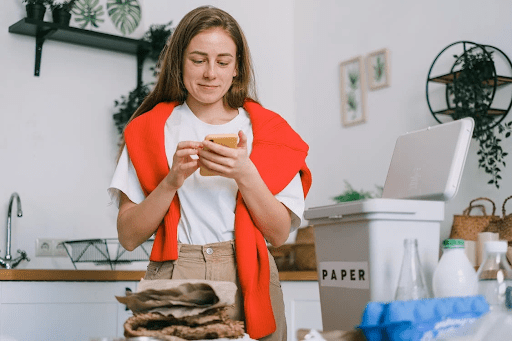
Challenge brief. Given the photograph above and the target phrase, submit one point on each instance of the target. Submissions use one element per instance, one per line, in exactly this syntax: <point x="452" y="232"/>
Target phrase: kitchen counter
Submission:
<point x="112" y="275"/>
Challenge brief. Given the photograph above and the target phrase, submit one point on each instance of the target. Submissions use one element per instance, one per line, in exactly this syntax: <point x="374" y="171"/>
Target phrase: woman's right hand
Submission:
<point x="183" y="165"/>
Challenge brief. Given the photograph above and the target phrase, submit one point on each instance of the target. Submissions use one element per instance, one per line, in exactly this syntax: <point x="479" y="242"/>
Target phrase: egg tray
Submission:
<point x="107" y="251"/>
<point x="420" y="320"/>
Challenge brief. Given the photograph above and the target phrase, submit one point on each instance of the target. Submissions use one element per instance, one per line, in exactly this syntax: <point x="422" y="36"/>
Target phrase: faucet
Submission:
<point x="8" y="262"/>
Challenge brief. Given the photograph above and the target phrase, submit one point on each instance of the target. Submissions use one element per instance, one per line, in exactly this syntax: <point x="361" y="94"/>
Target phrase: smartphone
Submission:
<point x="228" y="140"/>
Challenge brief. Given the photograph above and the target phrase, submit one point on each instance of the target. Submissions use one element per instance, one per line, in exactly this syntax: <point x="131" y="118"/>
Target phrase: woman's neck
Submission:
<point x="214" y="114"/>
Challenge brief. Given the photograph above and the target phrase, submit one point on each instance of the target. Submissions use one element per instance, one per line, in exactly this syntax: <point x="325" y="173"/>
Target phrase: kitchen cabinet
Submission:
<point x="302" y="306"/>
<point x="62" y="310"/>
<point x="76" y="305"/>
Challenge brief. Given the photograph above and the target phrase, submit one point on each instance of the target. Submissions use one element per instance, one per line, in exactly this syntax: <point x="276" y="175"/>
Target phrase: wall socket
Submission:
<point x="46" y="247"/>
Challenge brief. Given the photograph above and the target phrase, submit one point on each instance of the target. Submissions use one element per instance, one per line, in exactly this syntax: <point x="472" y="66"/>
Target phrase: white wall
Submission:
<point x="329" y="32"/>
<point x="58" y="140"/>
<point x="57" y="135"/>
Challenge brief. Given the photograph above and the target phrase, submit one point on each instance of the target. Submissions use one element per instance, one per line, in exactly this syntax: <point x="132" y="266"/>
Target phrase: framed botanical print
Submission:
<point x="377" y="64"/>
<point x="353" y="92"/>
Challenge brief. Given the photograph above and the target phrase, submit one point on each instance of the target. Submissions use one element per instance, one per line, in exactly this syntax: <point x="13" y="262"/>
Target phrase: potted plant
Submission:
<point x="156" y="36"/>
<point x="61" y="11"/>
<point x="36" y="8"/>
<point x="127" y="106"/>
<point x="471" y="93"/>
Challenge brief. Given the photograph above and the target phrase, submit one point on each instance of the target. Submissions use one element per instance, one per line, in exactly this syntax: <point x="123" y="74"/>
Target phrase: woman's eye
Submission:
<point x="196" y="61"/>
<point x="223" y="63"/>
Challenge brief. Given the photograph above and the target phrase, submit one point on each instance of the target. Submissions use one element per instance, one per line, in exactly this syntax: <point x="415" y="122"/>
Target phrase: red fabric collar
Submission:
<point x="278" y="153"/>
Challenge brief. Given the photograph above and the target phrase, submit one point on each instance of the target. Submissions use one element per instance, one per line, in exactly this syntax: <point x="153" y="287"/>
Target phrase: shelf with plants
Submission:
<point x="470" y="89"/>
<point x="43" y="30"/>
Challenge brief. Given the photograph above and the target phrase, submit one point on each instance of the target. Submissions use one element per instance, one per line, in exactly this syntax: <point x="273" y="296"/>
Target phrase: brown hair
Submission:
<point x="169" y="86"/>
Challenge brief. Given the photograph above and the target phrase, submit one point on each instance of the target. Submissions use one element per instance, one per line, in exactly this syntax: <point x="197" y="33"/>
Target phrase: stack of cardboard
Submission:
<point x="176" y="310"/>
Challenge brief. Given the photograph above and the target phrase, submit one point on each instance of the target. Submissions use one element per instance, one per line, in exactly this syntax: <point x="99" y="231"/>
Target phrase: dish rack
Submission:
<point x="99" y="251"/>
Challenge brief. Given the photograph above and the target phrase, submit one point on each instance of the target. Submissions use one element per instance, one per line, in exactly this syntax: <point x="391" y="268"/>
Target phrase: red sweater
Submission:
<point x="278" y="153"/>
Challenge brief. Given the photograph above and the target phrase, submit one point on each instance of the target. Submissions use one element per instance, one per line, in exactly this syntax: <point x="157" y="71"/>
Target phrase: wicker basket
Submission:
<point x="284" y="256"/>
<point x="505" y="228"/>
<point x="305" y="257"/>
<point x="304" y="249"/>
<point x="468" y="226"/>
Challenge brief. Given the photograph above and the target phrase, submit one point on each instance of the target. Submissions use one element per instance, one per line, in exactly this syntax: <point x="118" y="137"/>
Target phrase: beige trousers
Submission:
<point x="217" y="262"/>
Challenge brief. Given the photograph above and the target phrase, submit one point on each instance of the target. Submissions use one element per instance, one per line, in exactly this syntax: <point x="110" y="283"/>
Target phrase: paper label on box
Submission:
<point x="354" y="275"/>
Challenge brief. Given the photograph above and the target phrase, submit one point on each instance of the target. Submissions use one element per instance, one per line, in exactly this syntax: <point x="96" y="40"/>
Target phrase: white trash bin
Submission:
<point x="359" y="251"/>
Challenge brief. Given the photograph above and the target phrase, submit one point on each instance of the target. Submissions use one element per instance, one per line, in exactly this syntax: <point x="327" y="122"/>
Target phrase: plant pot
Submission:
<point x="61" y="17"/>
<point x="35" y="11"/>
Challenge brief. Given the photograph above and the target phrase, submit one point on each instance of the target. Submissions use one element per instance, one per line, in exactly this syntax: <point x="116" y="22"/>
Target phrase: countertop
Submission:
<point x="111" y="275"/>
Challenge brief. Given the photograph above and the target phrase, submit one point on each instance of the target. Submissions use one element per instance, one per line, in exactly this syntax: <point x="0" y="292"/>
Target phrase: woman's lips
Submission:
<point x="208" y="87"/>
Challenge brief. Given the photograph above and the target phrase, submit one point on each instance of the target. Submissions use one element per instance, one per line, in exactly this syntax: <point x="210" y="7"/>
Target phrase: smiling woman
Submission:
<point x="208" y="73"/>
<point x="256" y="195"/>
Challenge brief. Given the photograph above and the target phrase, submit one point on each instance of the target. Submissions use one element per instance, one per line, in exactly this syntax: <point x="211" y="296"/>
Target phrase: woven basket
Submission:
<point x="505" y="226"/>
<point x="304" y="249"/>
<point x="284" y="257"/>
<point x="305" y="257"/>
<point x="467" y="226"/>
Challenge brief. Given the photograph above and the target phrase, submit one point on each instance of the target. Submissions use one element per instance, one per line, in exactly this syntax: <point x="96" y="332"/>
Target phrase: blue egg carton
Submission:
<point x="419" y="320"/>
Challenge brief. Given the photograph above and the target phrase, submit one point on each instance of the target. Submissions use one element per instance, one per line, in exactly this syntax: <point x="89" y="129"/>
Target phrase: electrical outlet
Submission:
<point x="47" y="247"/>
<point x="59" y="249"/>
<point x="43" y="247"/>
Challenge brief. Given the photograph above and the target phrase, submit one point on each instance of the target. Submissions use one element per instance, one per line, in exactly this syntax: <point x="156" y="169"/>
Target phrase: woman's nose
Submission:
<point x="209" y="71"/>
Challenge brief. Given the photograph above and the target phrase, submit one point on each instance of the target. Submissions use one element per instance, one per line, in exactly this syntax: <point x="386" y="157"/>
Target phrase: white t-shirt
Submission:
<point x="207" y="203"/>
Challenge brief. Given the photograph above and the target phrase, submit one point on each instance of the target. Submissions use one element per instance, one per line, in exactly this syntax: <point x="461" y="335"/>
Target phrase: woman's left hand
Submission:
<point x="233" y="163"/>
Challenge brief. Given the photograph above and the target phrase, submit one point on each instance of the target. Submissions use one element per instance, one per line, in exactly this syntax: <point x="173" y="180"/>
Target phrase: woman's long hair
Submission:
<point x="169" y="86"/>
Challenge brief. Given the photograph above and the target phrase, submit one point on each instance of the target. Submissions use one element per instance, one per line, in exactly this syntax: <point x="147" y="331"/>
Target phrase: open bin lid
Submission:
<point x="381" y="207"/>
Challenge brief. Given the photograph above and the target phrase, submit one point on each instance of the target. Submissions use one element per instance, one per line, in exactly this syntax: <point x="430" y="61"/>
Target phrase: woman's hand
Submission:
<point x="233" y="163"/>
<point x="183" y="165"/>
<point x="270" y="216"/>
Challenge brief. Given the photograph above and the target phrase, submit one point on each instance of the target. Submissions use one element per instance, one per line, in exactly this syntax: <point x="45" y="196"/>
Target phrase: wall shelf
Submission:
<point x="43" y="30"/>
<point x="449" y="77"/>
<point x="472" y="87"/>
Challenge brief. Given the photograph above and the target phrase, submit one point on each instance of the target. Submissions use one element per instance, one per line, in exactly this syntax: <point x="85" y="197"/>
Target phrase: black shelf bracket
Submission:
<point x="142" y="53"/>
<point x="41" y="35"/>
<point x="43" y="30"/>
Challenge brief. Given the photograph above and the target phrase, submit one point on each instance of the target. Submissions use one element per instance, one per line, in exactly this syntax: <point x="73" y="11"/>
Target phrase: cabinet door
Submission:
<point x="61" y="310"/>
<point x="302" y="306"/>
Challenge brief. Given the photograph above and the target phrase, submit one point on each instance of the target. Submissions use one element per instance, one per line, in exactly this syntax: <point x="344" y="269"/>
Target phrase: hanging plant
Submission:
<point x="127" y="105"/>
<point x="157" y="37"/>
<point x="471" y="94"/>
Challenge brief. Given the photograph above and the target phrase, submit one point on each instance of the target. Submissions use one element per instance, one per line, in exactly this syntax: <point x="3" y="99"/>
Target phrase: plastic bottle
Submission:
<point x="454" y="275"/>
<point x="495" y="274"/>
<point x="411" y="283"/>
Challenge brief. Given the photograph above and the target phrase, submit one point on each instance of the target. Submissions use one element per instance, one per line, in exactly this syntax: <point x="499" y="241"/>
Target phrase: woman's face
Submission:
<point x="209" y="67"/>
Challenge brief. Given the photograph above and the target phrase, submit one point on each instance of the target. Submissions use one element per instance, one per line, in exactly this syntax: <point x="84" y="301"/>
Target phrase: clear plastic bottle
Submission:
<point x="454" y="275"/>
<point x="411" y="283"/>
<point x="495" y="274"/>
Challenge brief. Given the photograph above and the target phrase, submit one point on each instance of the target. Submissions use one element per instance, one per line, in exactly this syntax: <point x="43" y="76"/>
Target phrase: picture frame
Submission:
<point x="353" y="91"/>
<point x="377" y="64"/>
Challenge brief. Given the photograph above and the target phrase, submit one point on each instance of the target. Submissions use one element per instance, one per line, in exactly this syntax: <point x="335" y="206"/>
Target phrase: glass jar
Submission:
<point x="495" y="274"/>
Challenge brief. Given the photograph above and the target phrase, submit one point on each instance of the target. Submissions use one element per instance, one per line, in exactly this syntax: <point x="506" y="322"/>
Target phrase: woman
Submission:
<point x="212" y="227"/>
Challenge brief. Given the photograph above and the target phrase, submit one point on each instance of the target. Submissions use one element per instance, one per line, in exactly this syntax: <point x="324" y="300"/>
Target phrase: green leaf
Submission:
<point x="125" y="15"/>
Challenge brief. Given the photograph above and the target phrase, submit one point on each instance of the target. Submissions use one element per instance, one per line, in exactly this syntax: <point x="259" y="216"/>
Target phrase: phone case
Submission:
<point x="228" y="140"/>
